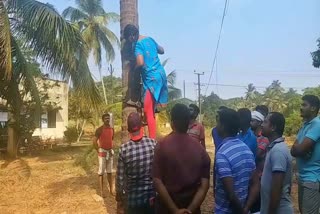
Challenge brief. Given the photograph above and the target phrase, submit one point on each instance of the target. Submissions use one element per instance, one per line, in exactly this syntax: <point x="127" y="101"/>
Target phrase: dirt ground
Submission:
<point x="58" y="181"/>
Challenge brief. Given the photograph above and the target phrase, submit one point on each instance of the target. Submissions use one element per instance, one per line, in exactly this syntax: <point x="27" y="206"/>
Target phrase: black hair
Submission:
<point x="222" y="108"/>
<point x="313" y="101"/>
<point x="263" y="109"/>
<point x="195" y="107"/>
<point x="277" y="119"/>
<point x="105" y="115"/>
<point x="230" y="120"/>
<point x="130" y="30"/>
<point x="245" y="116"/>
<point x="180" y="117"/>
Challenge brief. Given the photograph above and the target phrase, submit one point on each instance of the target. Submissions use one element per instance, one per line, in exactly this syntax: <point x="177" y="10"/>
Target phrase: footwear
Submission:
<point x="136" y="104"/>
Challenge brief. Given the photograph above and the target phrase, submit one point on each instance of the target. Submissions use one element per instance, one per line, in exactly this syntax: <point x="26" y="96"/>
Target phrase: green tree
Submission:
<point x="316" y="56"/>
<point x="173" y="92"/>
<point x="54" y="41"/>
<point x="92" y="21"/>
<point x="274" y="97"/>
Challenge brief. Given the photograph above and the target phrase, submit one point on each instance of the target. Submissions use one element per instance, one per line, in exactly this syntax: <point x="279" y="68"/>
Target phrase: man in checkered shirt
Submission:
<point x="134" y="183"/>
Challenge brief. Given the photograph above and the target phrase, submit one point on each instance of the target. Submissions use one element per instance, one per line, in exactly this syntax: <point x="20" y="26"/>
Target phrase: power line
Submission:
<point x="216" y="52"/>
<point x="245" y="86"/>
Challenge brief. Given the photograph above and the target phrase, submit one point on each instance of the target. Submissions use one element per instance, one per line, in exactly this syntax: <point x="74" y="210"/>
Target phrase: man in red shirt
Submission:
<point x="196" y="130"/>
<point x="181" y="168"/>
<point x="102" y="141"/>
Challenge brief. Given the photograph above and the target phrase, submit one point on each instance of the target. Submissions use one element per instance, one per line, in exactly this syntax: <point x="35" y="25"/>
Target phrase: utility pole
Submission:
<point x="184" y="89"/>
<point x="111" y="70"/>
<point x="199" y="92"/>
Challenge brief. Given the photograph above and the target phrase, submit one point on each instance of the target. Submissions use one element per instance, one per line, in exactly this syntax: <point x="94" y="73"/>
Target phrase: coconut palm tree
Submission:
<point x="92" y="21"/>
<point x="128" y="15"/>
<point x="55" y="42"/>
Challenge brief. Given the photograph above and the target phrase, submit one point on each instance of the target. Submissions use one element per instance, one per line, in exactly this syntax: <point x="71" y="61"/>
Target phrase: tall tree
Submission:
<point x="316" y="56"/>
<point x="54" y="41"/>
<point x="92" y="21"/>
<point x="128" y="15"/>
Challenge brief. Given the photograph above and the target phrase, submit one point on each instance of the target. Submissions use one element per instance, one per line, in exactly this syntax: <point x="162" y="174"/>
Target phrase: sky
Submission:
<point x="261" y="41"/>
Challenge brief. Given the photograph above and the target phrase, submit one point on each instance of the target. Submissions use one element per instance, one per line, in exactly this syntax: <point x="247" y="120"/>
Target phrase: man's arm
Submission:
<point x="202" y="137"/>
<point x="139" y="61"/>
<point x="254" y="190"/>
<point x="120" y="177"/>
<point x="95" y="143"/>
<point x="164" y="195"/>
<point x="234" y="201"/>
<point x="200" y="195"/>
<point x="276" y="191"/>
<point x="307" y="145"/>
<point x="302" y="149"/>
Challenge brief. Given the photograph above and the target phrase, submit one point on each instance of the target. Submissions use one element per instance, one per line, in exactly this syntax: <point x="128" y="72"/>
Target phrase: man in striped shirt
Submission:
<point x="235" y="164"/>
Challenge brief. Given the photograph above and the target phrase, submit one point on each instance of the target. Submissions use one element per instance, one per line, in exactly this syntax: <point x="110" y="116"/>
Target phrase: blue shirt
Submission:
<point x="233" y="159"/>
<point x="217" y="140"/>
<point x="278" y="159"/>
<point x="309" y="168"/>
<point x="153" y="75"/>
<point x="250" y="139"/>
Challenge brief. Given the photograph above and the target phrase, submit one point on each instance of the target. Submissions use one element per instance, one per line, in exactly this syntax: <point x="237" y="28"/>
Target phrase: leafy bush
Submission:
<point x="71" y="134"/>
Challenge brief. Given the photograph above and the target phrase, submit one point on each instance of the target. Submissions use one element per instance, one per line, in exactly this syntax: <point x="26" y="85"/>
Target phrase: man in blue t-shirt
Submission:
<point x="246" y="134"/>
<point x="234" y="167"/>
<point x="307" y="151"/>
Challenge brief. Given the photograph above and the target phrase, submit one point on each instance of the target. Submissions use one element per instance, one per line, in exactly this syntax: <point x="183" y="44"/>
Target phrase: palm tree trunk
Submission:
<point x="81" y="132"/>
<point x="12" y="136"/>
<point x="103" y="87"/>
<point x="128" y="15"/>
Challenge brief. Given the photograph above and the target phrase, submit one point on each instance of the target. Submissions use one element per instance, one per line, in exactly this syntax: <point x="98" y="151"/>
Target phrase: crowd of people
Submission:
<point x="252" y="165"/>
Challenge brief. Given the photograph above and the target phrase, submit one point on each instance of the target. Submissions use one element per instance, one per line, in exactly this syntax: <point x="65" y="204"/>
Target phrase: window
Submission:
<point x="52" y="119"/>
<point x="44" y="121"/>
<point x="49" y="119"/>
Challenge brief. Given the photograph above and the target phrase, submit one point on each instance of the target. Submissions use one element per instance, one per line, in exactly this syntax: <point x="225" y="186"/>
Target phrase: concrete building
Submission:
<point x="54" y="117"/>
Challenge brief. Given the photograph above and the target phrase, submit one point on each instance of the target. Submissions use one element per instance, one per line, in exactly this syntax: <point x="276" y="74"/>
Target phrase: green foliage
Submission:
<point x="71" y="134"/>
<point x="275" y="97"/>
<point x="293" y="123"/>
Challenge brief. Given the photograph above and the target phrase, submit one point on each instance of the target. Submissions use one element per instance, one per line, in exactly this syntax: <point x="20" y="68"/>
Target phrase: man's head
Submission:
<point x="228" y="123"/>
<point x="106" y="119"/>
<point x="263" y="109"/>
<point x="273" y="125"/>
<point x="256" y="120"/>
<point x="245" y="118"/>
<point x="194" y="111"/>
<point x="310" y="106"/>
<point x="131" y="33"/>
<point x="180" y="117"/>
<point x="135" y="126"/>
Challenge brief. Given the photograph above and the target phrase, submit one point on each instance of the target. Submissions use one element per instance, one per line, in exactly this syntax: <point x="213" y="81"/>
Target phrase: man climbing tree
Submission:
<point x="155" y="90"/>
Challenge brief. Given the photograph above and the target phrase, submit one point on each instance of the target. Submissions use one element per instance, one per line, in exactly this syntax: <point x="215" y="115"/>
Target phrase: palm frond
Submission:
<point x="171" y="78"/>
<point x="74" y="14"/>
<point x="110" y="35"/>
<point x="96" y="50"/>
<point x="22" y="69"/>
<point x="5" y="43"/>
<point x="110" y="54"/>
<point x="57" y="42"/>
<point x="91" y="7"/>
<point x="165" y="62"/>
<point x="110" y="17"/>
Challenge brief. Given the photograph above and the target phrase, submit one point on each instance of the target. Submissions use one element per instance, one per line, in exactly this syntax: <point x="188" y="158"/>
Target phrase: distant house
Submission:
<point x="54" y="116"/>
